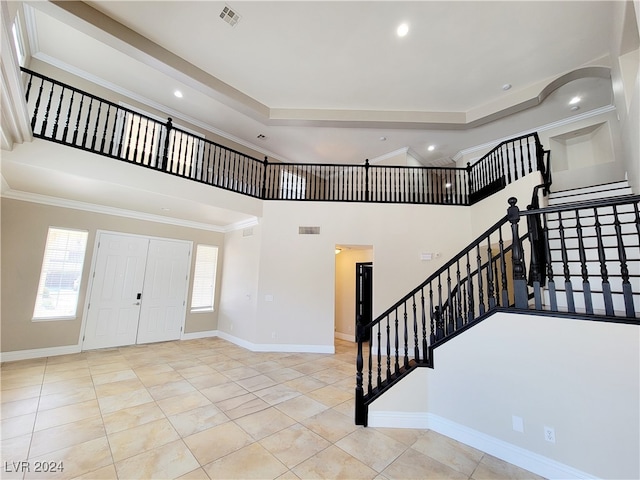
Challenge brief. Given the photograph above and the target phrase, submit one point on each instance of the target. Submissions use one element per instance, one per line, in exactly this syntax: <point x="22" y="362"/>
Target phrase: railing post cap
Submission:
<point x="513" y="212"/>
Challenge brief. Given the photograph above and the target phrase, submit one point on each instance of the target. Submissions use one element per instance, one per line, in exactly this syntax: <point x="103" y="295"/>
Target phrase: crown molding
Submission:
<point x="120" y="212"/>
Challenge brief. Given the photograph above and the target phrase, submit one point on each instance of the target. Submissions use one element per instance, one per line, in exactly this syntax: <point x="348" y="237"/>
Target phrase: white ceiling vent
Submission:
<point x="229" y="15"/>
<point x="247" y="232"/>
<point x="308" y="230"/>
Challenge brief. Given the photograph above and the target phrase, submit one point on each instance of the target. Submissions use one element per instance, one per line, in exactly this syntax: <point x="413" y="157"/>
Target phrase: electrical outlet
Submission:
<point x="517" y="423"/>
<point x="550" y="434"/>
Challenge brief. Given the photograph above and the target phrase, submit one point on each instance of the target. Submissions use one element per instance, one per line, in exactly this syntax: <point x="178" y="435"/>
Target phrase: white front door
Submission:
<point x="165" y="289"/>
<point x="138" y="293"/>
<point x="114" y="304"/>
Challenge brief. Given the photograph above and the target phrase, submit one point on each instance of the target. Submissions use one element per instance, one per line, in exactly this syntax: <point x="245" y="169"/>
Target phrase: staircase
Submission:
<point x="594" y="255"/>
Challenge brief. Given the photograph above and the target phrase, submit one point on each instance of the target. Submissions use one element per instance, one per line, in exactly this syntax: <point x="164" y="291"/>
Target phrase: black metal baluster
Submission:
<point x="66" y="125"/>
<point x="470" y="299"/>
<point x="490" y="287"/>
<point x="503" y="270"/>
<point x="104" y="130"/>
<point x="449" y="311"/>
<point x="360" y="408"/>
<point x="75" y="130"/>
<point x="586" y="286"/>
<point x="43" y="130"/>
<point x="424" y="326"/>
<point x="439" y="312"/>
<point x="397" y="345"/>
<point x="406" y="337"/>
<point x="57" y="119"/>
<point x="458" y="323"/>
<point x="126" y="153"/>
<point x="85" y="135"/>
<point x="481" y="308"/>
<point x="565" y="267"/>
<point x="370" y="365"/>
<point x="388" y="350"/>
<point x="627" y="292"/>
<point x="94" y="139"/>
<point x="415" y="329"/>
<point x="551" y="284"/>
<point x="37" y="106"/>
<point x="26" y="96"/>
<point x="432" y="309"/>
<point x="379" y="378"/>
<point x="604" y="273"/>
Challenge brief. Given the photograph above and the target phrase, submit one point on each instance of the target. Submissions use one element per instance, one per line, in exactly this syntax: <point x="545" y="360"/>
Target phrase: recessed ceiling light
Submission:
<point x="574" y="100"/>
<point x="382" y="139"/>
<point x="165" y="209"/>
<point x="178" y="93"/>
<point x="575" y="107"/>
<point x="431" y="148"/>
<point x="506" y="86"/>
<point x="402" y="30"/>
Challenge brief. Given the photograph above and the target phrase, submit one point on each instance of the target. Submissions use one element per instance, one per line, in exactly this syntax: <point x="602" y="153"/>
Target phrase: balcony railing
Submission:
<point x="64" y="114"/>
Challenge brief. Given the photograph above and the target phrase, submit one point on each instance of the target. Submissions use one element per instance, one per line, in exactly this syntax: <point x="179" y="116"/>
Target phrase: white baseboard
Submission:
<point x="39" y="353"/>
<point x="508" y="452"/>
<point x="196" y="335"/>
<point x="349" y="337"/>
<point x="277" y="347"/>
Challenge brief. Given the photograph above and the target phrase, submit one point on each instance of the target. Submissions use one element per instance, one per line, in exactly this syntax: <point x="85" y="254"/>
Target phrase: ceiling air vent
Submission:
<point x="308" y="230"/>
<point x="247" y="232"/>
<point x="230" y="16"/>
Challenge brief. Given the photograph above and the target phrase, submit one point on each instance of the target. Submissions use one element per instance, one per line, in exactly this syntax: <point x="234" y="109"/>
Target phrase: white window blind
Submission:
<point x="204" y="279"/>
<point x="62" y="264"/>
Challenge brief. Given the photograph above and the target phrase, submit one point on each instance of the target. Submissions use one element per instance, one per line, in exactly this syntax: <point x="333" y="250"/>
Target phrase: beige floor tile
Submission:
<point x="241" y="372"/>
<point x="153" y="379"/>
<point x="113" y="403"/>
<point x="79" y="372"/>
<point x="492" y="468"/>
<point x="101" y="368"/>
<point x="413" y="465"/>
<point x="305" y="384"/>
<point x="19" y="381"/>
<point x="20" y="364"/>
<point x="301" y="407"/>
<point x="255" y="383"/>
<point x="117" y="376"/>
<point x="330" y="395"/>
<point x="224" y="391"/>
<point x="171" y="389"/>
<point x="118" y="387"/>
<point x="136" y="440"/>
<point x="22" y="393"/>
<point x="67" y="414"/>
<point x="19" y="407"/>
<point x="294" y="444"/>
<point x="283" y="374"/>
<point x="330" y="424"/>
<point x="449" y="452"/>
<point x="348" y="408"/>
<point x="67" y="435"/>
<point x="277" y="394"/>
<point x="195" y="371"/>
<point x="407" y="436"/>
<point x="130" y="417"/>
<point x="70" y="397"/>
<point x="335" y="464"/>
<point x="216" y="442"/>
<point x="265" y="422"/>
<point x="65" y="386"/>
<point x="17" y="426"/>
<point x="183" y="403"/>
<point x="104" y="473"/>
<point x="197" y="474"/>
<point x="371" y="447"/>
<point x="238" y="407"/>
<point x="267" y="366"/>
<point x="209" y="380"/>
<point x="198" y="419"/>
<point x="14" y="449"/>
<point x="251" y="462"/>
<point x="76" y="460"/>
<point x="167" y="461"/>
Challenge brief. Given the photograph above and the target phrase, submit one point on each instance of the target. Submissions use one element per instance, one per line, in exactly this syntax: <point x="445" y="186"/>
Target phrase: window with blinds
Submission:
<point x="61" y="273"/>
<point x="204" y="279"/>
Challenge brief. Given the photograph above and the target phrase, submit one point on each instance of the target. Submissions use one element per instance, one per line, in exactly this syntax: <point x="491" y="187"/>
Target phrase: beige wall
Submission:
<point x="24" y="232"/>
<point x="581" y="378"/>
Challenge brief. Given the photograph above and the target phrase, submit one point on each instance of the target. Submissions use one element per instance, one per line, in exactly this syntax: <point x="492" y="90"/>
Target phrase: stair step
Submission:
<point x="603" y="187"/>
<point x="583" y="196"/>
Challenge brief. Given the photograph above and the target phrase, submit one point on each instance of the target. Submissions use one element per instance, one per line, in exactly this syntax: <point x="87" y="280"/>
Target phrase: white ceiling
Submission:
<point x="323" y="81"/>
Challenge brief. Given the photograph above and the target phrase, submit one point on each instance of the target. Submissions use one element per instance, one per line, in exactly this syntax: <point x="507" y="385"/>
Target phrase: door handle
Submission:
<point x="137" y="303"/>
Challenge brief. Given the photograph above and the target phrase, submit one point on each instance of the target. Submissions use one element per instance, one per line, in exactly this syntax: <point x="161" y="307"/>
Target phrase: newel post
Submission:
<point x="264" y="178"/>
<point x="361" y="408"/>
<point x="366" y="180"/>
<point x="165" y="153"/>
<point x="519" y="275"/>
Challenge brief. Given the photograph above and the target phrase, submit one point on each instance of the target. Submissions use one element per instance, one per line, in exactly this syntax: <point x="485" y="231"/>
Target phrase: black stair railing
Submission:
<point x="595" y="245"/>
<point x="64" y="114"/>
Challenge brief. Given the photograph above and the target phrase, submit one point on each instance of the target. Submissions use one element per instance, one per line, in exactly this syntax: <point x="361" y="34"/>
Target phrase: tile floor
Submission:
<point x="207" y="408"/>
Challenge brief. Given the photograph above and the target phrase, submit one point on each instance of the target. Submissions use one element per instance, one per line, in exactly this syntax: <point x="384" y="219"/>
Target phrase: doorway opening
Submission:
<point x="346" y="259"/>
